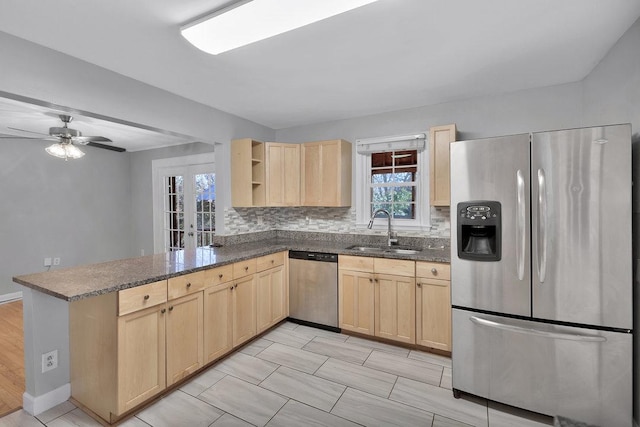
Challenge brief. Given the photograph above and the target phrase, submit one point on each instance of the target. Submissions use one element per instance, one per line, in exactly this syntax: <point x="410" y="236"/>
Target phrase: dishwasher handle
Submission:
<point x="313" y="256"/>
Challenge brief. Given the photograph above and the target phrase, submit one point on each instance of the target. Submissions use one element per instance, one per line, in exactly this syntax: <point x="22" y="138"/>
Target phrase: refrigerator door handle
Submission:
<point x="531" y="331"/>
<point x="520" y="224"/>
<point x="542" y="225"/>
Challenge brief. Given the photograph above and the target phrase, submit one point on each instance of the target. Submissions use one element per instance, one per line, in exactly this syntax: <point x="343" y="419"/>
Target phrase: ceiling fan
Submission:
<point x="66" y="138"/>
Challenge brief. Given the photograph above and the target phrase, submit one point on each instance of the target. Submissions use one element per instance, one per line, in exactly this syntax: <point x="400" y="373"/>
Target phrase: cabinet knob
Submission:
<point x="419" y="285"/>
<point x="219" y="276"/>
<point x="375" y="280"/>
<point x="146" y="297"/>
<point x="370" y="280"/>
<point x="188" y="285"/>
<point x="272" y="261"/>
<point x="246" y="268"/>
<point x="163" y="311"/>
<point x="231" y="288"/>
<point x="434" y="271"/>
<point x="235" y="286"/>
<point x="171" y="308"/>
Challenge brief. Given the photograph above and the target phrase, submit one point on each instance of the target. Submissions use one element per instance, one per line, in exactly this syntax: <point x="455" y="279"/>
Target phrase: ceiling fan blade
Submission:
<point x="27" y="131"/>
<point x="34" y="138"/>
<point x="85" y="139"/>
<point x="105" y="146"/>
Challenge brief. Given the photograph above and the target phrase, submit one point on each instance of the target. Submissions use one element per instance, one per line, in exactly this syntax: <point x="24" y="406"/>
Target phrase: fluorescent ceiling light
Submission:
<point x="249" y="21"/>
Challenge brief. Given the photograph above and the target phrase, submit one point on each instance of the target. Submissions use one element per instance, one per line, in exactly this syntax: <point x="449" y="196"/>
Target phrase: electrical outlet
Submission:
<point x="56" y="261"/>
<point x="49" y="361"/>
<point x="47" y="262"/>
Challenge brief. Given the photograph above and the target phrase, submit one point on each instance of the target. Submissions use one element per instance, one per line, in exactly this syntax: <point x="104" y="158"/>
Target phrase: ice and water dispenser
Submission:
<point x="479" y="230"/>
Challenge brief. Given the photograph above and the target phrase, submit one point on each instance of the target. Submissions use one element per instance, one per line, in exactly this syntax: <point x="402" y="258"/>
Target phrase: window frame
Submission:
<point x="422" y="222"/>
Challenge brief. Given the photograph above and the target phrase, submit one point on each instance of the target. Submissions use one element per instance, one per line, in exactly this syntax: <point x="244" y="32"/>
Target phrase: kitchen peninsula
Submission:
<point x="115" y="309"/>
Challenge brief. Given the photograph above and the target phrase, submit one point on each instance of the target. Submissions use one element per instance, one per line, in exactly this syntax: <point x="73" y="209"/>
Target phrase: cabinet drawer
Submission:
<point x="358" y="263"/>
<point x="215" y="276"/>
<point x="269" y="261"/>
<point x="186" y="284"/>
<point x="134" y="299"/>
<point x="433" y="270"/>
<point x="394" y="266"/>
<point x="244" y="268"/>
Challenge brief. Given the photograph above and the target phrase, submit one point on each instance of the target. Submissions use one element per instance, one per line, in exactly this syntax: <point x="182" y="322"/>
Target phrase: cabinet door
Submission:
<point x="218" y="321"/>
<point x="395" y="315"/>
<point x="270" y="298"/>
<point x="356" y="301"/>
<point x="282" y="174"/>
<point x="433" y="313"/>
<point x="141" y="356"/>
<point x="244" y="309"/>
<point x="311" y="174"/>
<point x="440" y="137"/>
<point x="184" y="336"/>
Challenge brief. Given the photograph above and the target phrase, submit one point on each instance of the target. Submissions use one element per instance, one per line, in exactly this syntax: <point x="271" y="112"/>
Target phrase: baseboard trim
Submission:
<point x="38" y="404"/>
<point x="10" y="297"/>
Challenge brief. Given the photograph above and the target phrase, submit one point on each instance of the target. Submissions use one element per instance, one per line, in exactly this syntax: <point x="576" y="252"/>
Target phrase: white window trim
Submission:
<point x="176" y="166"/>
<point x="363" y="197"/>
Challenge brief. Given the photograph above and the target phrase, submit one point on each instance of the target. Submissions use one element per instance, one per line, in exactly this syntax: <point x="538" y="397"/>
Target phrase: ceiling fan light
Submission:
<point x="64" y="151"/>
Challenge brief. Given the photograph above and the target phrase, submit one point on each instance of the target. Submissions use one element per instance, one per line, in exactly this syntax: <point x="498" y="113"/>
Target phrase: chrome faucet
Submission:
<point x="391" y="237"/>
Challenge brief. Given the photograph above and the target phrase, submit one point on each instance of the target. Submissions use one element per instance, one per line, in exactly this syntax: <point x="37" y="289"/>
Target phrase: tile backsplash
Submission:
<point x="318" y="219"/>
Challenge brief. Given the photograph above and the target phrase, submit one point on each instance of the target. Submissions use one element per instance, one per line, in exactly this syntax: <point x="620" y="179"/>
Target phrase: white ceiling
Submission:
<point x="389" y="55"/>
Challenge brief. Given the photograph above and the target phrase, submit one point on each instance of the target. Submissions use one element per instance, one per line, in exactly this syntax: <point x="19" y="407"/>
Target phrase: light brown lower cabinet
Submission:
<point x="377" y="297"/>
<point x="184" y="336"/>
<point x="356" y="298"/>
<point x="138" y="378"/>
<point x="243" y="301"/>
<point x="218" y="321"/>
<point x="433" y="305"/>
<point x="271" y="297"/>
<point x="395" y="315"/>
<point x="117" y="344"/>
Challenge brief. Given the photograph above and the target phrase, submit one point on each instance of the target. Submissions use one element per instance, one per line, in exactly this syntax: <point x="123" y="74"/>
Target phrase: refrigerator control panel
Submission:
<point x="479" y="230"/>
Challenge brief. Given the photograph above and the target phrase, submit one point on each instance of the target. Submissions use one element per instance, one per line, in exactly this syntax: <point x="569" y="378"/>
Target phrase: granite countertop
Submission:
<point x="85" y="281"/>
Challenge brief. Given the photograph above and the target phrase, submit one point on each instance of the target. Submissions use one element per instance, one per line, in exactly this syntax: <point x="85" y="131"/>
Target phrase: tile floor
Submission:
<point x="301" y="376"/>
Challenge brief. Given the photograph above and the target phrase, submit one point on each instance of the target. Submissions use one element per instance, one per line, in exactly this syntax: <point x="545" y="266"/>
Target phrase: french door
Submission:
<point x="185" y="207"/>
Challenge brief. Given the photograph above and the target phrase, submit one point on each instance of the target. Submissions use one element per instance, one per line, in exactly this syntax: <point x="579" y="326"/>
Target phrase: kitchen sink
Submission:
<point x="385" y="249"/>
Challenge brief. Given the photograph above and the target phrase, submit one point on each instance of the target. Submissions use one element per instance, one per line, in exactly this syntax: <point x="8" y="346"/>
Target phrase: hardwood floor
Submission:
<point x="11" y="357"/>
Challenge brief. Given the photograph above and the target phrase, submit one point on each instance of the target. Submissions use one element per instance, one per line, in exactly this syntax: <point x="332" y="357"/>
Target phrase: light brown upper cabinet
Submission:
<point x="282" y="173"/>
<point x="440" y="138"/>
<point x="326" y="173"/>
<point x="247" y="173"/>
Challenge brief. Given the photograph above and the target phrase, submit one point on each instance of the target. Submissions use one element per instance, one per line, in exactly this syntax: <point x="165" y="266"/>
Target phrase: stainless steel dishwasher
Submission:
<point x="313" y="288"/>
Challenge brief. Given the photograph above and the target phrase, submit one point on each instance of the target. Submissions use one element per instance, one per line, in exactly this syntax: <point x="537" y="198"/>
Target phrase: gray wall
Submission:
<point x="76" y="210"/>
<point x="110" y="187"/>
<point x="612" y="94"/>
<point x="524" y="111"/>
<point x="100" y="219"/>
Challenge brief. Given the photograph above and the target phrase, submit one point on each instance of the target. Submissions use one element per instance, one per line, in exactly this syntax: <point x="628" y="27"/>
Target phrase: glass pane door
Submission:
<point x="205" y="208"/>
<point x="174" y="211"/>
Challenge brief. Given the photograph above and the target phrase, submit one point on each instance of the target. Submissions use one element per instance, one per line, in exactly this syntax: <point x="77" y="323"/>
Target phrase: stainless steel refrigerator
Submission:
<point x="541" y="272"/>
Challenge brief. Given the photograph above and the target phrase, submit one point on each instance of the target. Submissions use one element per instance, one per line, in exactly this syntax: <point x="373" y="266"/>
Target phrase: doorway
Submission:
<point x="184" y="204"/>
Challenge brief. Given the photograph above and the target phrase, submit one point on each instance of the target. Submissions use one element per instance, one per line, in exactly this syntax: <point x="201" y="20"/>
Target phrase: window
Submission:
<point x="394" y="178"/>
<point x="393" y="183"/>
